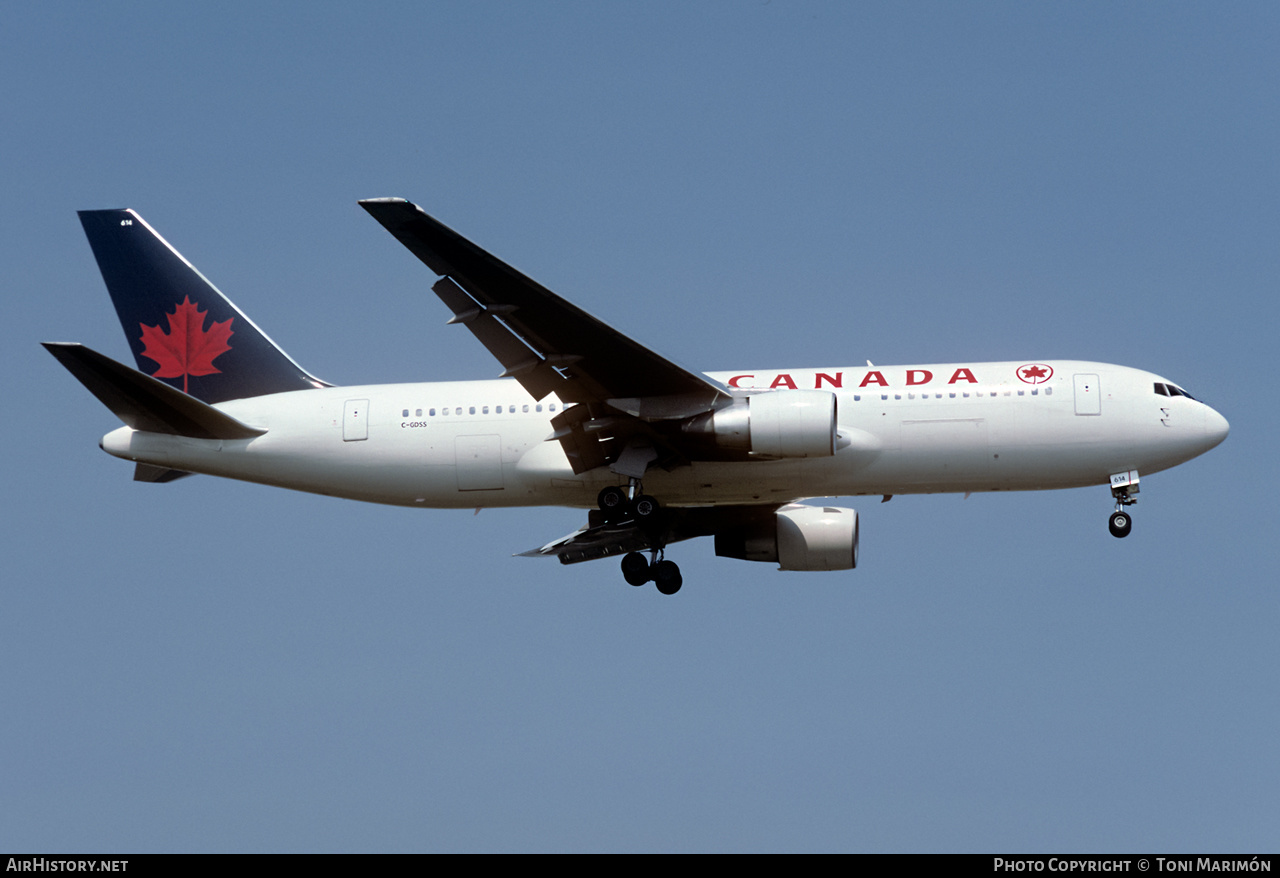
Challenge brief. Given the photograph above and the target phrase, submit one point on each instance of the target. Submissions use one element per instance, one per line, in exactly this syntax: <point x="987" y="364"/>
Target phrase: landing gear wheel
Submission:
<point x="612" y="502"/>
<point x="666" y="576"/>
<point x="645" y="508"/>
<point x="635" y="568"/>
<point x="1120" y="524"/>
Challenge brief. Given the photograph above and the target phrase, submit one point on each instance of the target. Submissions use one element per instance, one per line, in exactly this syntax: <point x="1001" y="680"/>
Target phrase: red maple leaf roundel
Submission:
<point x="187" y="348"/>
<point x="1035" y="373"/>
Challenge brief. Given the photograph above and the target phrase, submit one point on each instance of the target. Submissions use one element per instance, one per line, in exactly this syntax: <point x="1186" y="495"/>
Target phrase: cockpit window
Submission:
<point x="1171" y="390"/>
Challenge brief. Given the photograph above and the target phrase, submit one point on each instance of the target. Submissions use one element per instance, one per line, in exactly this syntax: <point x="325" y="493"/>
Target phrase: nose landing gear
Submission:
<point x="1123" y="487"/>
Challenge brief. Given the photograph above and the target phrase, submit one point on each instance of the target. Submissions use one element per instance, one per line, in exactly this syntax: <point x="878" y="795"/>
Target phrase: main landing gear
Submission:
<point x="616" y="505"/>
<point x="1123" y="487"/>
<point x="637" y="570"/>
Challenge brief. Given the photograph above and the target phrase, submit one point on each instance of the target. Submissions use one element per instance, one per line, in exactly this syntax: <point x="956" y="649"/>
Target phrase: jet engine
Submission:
<point x="798" y="538"/>
<point x="783" y="423"/>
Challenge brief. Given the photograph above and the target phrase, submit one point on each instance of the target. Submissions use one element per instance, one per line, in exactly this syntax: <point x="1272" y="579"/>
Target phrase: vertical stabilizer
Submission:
<point x="181" y="329"/>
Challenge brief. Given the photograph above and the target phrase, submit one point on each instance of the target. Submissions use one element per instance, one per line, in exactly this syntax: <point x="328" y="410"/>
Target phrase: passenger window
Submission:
<point x="539" y="408"/>
<point x="525" y="408"/>
<point x="458" y="410"/>
<point x="484" y="410"/>
<point x="552" y="407"/>
<point x="431" y="412"/>
<point x="417" y="413"/>
<point x="405" y="414"/>
<point x="857" y="397"/>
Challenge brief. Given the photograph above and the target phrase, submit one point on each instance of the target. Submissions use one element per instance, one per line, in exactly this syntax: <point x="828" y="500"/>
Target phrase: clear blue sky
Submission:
<point x="210" y="666"/>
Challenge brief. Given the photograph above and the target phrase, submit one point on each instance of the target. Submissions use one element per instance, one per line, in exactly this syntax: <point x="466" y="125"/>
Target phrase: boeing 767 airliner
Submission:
<point x="584" y="416"/>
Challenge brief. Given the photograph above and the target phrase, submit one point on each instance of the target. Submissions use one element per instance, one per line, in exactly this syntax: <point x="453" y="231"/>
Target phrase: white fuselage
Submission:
<point x="904" y="430"/>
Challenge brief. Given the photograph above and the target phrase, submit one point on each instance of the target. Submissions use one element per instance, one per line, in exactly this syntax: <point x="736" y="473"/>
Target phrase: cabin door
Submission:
<point x="1088" y="395"/>
<point x="355" y="420"/>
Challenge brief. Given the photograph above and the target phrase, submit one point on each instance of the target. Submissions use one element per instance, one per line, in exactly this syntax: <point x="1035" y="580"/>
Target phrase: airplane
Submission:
<point x="583" y="416"/>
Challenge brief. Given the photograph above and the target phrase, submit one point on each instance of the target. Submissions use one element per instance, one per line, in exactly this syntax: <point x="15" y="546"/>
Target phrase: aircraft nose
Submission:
<point x="1215" y="428"/>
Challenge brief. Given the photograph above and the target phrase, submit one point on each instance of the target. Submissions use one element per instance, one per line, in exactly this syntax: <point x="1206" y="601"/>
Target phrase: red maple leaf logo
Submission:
<point x="1035" y="373"/>
<point x="187" y="348"/>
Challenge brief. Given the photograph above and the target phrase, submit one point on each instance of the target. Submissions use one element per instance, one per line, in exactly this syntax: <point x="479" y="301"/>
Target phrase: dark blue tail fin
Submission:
<point x="181" y="329"/>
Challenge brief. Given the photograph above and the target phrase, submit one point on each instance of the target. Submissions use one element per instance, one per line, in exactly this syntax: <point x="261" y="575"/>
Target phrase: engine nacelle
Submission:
<point x="798" y="538"/>
<point x="783" y="423"/>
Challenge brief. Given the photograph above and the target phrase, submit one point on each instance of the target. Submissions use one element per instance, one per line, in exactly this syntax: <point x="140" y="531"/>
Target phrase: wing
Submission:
<point x="551" y="346"/>
<point x="591" y="542"/>
<point x="597" y="540"/>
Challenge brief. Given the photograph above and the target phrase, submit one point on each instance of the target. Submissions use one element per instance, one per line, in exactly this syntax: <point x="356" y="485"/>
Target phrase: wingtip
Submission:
<point x="105" y="211"/>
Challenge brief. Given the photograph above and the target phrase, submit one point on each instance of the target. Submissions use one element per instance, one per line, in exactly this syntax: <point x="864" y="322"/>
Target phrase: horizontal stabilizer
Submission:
<point x="143" y="402"/>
